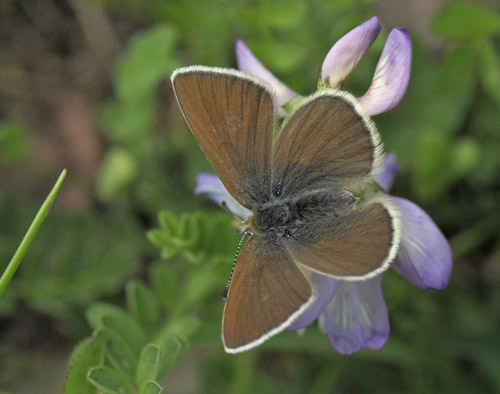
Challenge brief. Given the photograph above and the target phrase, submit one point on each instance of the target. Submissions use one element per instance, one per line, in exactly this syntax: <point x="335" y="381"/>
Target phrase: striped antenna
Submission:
<point x="228" y="284"/>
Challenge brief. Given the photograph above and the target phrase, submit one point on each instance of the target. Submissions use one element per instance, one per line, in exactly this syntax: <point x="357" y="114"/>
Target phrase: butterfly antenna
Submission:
<point x="228" y="284"/>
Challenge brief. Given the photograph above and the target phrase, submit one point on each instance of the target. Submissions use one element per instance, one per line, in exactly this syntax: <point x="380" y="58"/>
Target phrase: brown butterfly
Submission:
<point x="298" y="180"/>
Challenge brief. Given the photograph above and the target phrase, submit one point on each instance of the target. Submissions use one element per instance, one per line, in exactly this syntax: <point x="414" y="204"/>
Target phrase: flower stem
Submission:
<point x="30" y="234"/>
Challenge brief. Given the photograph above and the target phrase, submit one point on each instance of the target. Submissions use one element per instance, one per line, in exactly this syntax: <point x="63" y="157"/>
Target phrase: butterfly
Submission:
<point x="298" y="179"/>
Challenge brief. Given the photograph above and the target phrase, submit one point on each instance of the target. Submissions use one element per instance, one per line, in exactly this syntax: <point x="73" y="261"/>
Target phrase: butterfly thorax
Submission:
<point x="292" y="216"/>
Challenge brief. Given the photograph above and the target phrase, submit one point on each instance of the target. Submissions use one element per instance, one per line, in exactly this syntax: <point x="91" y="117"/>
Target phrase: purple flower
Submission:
<point x="390" y="80"/>
<point x="354" y="314"/>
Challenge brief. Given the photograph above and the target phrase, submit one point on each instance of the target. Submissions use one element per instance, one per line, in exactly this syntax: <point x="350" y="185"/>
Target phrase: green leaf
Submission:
<point x="171" y="351"/>
<point x="489" y="70"/>
<point x="88" y="354"/>
<point x="128" y="123"/>
<point x="148" y="365"/>
<point x="169" y="222"/>
<point x="172" y="341"/>
<point x="464" y="20"/>
<point x="455" y="87"/>
<point x="110" y="381"/>
<point x="117" y="171"/>
<point x="164" y="283"/>
<point x="118" y="351"/>
<point x="151" y="388"/>
<point x="143" y="304"/>
<point x="149" y="58"/>
<point x="201" y="284"/>
<point x="102" y="315"/>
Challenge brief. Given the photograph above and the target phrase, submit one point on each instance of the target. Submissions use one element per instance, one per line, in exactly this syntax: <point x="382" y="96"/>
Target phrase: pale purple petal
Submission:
<point x="424" y="255"/>
<point x="390" y="169"/>
<point x="348" y="51"/>
<point x="391" y="74"/>
<point x="247" y="62"/>
<point x="325" y="288"/>
<point x="357" y="316"/>
<point x="213" y="187"/>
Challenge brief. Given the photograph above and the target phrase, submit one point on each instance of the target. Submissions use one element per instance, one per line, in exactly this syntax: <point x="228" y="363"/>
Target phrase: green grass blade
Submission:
<point x="30" y="234"/>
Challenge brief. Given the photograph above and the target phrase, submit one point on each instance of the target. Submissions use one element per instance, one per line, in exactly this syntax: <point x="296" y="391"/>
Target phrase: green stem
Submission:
<point x="244" y="370"/>
<point x="30" y="234"/>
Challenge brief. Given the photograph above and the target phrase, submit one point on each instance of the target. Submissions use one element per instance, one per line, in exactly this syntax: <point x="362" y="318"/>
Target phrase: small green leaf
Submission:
<point x="466" y="156"/>
<point x="118" y="351"/>
<point x="117" y="171"/>
<point x="102" y="315"/>
<point x="164" y="283"/>
<point x="151" y="388"/>
<point x="148" y="58"/>
<point x="88" y="354"/>
<point x="128" y="123"/>
<point x="464" y="20"/>
<point x="143" y="304"/>
<point x="148" y="365"/>
<point x="110" y="381"/>
<point x="171" y="351"/>
<point x="200" y="285"/>
<point x="169" y="222"/>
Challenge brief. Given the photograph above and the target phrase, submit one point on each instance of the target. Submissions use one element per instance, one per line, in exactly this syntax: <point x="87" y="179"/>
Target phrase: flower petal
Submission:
<point x="389" y="170"/>
<point x="348" y="51"/>
<point x="424" y="255"/>
<point x="247" y="62"/>
<point x="325" y="288"/>
<point x="391" y="74"/>
<point x="213" y="187"/>
<point x="357" y="316"/>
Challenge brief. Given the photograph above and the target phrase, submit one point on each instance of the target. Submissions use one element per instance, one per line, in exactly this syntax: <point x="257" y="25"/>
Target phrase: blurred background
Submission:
<point x="84" y="85"/>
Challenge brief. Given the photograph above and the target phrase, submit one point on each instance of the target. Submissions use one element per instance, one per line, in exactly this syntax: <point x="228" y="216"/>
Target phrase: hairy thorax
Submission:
<point x="297" y="216"/>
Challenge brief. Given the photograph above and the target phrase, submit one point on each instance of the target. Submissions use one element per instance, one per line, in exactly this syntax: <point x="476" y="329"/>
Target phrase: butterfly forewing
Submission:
<point x="267" y="293"/>
<point x="232" y="118"/>
<point x="326" y="142"/>
<point x="355" y="246"/>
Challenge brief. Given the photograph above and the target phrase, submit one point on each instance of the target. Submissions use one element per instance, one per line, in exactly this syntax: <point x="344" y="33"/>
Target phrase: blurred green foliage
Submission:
<point x="143" y="304"/>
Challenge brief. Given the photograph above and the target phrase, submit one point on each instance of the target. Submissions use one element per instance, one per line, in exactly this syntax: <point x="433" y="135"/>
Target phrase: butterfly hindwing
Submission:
<point x="354" y="246"/>
<point x="268" y="291"/>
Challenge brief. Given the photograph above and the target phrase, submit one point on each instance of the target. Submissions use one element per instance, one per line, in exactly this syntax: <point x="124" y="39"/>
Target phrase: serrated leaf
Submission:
<point x="164" y="283"/>
<point x="88" y="354"/>
<point x="143" y="304"/>
<point x="110" y="381"/>
<point x="464" y="20"/>
<point x="118" y="351"/>
<point x="151" y="388"/>
<point x="148" y="365"/>
<point x="102" y="315"/>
